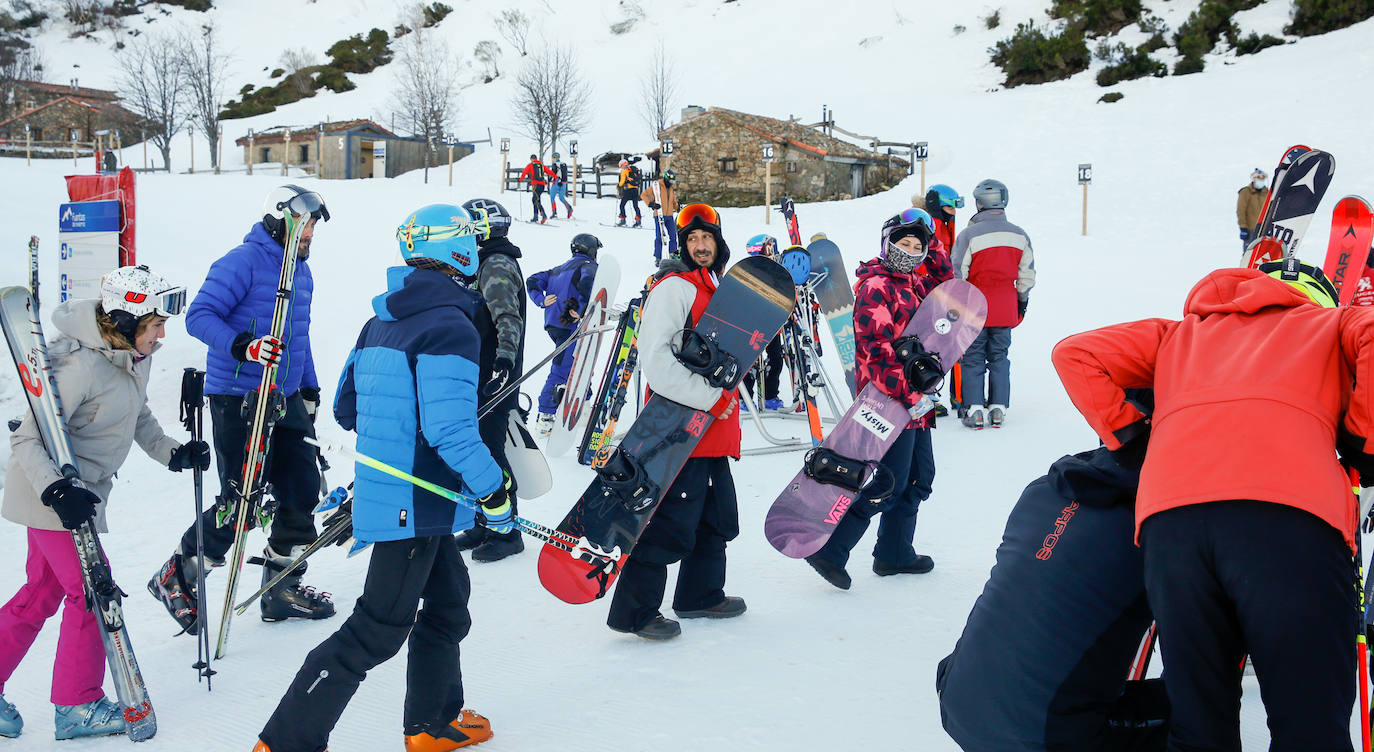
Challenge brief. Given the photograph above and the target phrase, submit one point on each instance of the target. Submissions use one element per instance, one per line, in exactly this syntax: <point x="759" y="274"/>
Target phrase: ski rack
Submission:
<point x="779" y="445"/>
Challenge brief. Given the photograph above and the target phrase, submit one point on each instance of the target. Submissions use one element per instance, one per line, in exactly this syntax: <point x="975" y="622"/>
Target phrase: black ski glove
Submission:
<point x="1350" y="448"/>
<point x="193" y="455"/>
<point x="501" y="370"/>
<point x="73" y="504"/>
<point x="310" y="395"/>
<point x="655" y="206"/>
<point x="1021" y="305"/>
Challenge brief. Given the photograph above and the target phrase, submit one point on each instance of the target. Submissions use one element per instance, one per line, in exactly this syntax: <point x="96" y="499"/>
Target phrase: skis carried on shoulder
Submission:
<point x="20" y="322"/>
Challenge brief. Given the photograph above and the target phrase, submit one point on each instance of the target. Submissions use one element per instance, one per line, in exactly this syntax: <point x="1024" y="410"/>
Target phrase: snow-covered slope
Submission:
<point x="808" y="667"/>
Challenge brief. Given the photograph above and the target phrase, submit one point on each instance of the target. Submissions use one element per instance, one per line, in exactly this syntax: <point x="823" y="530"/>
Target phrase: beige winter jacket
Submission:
<point x="104" y="396"/>
<point x="1249" y="203"/>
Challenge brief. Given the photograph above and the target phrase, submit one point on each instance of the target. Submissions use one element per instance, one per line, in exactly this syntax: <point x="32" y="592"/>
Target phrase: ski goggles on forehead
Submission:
<point x="307" y="204"/>
<point x="913" y="216"/>
<point x="694" y="212"/>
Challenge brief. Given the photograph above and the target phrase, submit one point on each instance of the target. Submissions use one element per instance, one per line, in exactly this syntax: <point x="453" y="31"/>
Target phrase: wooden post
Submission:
<point x="450" y="164"/>
<point x="577" y="184"/>
<point x="99" y="146"/>
<point x="191" y="137"/>
<point x="503" y="172"/>
<point x="219" y="148"/>
<point x="923" y="176"/>
<point x="768" y="192"/>
<point x="1085" y="209"/>
<point x="1085" y="176"/>
<point x="145" y="151"/>
<point x="28" y="147"/>
<point x="286" y="153"/>
<point x="74" y="164"/>
<point x="249" y="160"/>
<point x="319" y="152"/>
<point x="119" y="144"/>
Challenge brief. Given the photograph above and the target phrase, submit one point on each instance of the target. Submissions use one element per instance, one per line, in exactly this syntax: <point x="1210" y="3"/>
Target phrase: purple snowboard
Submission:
<point x="806" y="512"/>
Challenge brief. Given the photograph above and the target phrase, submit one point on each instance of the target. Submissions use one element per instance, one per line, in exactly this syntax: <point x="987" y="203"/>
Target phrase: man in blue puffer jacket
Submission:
<point x="409" y="390"/>
<point x="232" y="313"/>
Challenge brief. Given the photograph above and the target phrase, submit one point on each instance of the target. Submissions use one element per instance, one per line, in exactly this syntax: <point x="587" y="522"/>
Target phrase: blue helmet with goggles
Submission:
<point x="440" y="234"/>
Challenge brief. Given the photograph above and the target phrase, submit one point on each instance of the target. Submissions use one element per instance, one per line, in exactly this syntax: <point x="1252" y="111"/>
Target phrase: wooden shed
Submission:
<point x="345" y="149"/>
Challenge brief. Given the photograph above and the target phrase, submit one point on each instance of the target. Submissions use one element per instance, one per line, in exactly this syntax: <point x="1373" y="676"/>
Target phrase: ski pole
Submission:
<point x="578" y="548"/>
<point x="192" y="409"/>
<point x="496" y="399"/>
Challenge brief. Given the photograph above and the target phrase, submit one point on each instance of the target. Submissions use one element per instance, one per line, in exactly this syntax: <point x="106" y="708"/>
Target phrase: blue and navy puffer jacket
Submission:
<point x="571" y="282"/>
<point x="238" y="296"/>
<point x="409" y="390"/>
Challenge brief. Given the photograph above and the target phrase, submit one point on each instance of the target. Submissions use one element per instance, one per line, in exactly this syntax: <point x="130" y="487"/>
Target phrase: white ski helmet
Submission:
<point x="129" y="293"/>
<point x="299" y="200"/>
<point x="990" y="194"/>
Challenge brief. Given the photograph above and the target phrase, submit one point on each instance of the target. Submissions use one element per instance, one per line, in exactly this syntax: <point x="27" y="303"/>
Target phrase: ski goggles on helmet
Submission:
<point x="410" y="234"/>
<point x="306" y="204"/>
<point x="948" y="196"/>
<point x="1309" y="280"/>
<point x="481" y="220"/>
<point x="700" y="214"/>
<point x="912" y="216"/>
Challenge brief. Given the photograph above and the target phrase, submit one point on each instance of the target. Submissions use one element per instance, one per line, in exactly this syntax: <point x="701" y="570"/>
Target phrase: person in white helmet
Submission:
<point x="101" y="364"/>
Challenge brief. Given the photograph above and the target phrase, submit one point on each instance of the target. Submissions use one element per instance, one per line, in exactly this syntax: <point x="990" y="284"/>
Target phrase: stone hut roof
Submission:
<point x="109" y="109"/>
<point x="791" y="133"/>
<point x="79" y="92"/>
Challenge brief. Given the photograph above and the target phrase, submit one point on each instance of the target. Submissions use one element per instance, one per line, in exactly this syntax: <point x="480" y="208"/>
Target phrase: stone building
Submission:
<point x="345" y="149"/>
<point x="57" y="114"/>
<point x="718" y="158"/>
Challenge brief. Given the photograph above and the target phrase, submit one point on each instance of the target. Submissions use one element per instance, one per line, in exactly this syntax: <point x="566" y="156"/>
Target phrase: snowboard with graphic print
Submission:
<point x="747" y="310"/>
<point x="806" y="512"/>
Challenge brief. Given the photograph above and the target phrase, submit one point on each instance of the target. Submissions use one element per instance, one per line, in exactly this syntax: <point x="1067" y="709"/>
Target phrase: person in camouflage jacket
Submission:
<point x="890" y="288"/>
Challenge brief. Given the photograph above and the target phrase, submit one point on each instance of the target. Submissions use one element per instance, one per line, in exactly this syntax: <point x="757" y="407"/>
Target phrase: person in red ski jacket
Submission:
<point x="941" y="201"/>
<point x="539" y="177"/>
<point x="889" y="290"/>
<point x="699" y="513"/>
<point x="1244" y="513"/>
<point x="995" y="255"/>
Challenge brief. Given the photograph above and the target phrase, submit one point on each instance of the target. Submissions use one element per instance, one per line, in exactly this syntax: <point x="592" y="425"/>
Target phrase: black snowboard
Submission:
<point x="752" y="303"/>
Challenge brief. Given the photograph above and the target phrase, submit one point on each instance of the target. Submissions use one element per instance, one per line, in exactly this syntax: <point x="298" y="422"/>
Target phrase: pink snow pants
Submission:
<point x="53" y="574"/>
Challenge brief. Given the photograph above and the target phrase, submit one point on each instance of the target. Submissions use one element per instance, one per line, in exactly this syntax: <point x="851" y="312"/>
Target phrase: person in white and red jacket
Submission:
<point x="995" y="255"/>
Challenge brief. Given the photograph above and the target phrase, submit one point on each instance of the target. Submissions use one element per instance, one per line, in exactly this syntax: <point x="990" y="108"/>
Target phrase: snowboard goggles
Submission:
<point x="702" y="214"/>
<point x="914" y="216"/>
<point x="307" y="204"/>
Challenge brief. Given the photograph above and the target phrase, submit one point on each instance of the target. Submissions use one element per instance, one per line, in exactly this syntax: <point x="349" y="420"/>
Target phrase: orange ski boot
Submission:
<point x="261" y="746"/>
<point x="467" y="729"/>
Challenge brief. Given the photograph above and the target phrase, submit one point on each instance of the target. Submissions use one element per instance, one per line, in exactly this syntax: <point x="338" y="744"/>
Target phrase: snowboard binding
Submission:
<point x="827" y="466"/>
<point x="623" y="477"/>
<point x="923" y="369"/>
<point x="703" y="356"/>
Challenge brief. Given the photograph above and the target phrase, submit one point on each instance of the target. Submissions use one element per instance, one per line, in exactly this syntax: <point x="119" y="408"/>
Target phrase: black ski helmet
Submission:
<point x="586" y="244"/>
<point x="498" y="219"/>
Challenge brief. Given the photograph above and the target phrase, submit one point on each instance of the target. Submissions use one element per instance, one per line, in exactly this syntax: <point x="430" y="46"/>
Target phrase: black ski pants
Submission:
<point x="290" y="468"/>
<point x="1230" y="577"/>
<point x="492" y="427"/>
<point x="537" y="190"/>
<point x="697" y="517"/>
<point x="630" y="197"/>
<point x="401" y="575"/>
<point x="911" y="460"/>
<point x="772" y="373"/>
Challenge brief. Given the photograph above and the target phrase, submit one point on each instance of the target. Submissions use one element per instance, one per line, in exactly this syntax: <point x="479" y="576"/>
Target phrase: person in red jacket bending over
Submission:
<point x="1247" y="542"/>
<point x="699" y="513"/>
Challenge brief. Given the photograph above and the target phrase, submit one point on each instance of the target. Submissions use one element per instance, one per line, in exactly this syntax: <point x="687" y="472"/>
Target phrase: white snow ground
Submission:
<point x="808" y="667"/>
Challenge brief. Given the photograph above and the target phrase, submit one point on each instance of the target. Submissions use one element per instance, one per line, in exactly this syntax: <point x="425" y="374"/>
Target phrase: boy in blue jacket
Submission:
<point x="409" y="390"/>
<point x="563" y="292"/>
<point x="232" y="314"/>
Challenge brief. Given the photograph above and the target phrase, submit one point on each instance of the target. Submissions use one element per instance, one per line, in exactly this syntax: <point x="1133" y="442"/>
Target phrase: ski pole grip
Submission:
<point x="192" y="395"/>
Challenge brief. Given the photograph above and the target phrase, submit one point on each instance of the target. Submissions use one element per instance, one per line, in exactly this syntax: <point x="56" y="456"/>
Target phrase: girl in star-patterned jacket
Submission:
<point x="910" y="263"/>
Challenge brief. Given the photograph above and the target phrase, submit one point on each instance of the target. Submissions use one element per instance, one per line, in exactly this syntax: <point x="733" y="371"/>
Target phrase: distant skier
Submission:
<point x="1243" y="553"/>
<point x="1042" y="663"/>
<point x="628" y="185"/>
<point x="699" y="512"/>
<point x="558" y="189"/>
<point x="101" y="362"/>
<point x="231" y="314"/>
<point x="661" y="198"/>
<point x="995" y="255"/>
<point x="1249" y="203"/>
<point x="940" y="202"/>
<point x="771" y="363"/>
<point x="889" y="290"/>
<point x="538" y="176"/>
<point x="563" y="292"/>
<point x="409" y="390"/>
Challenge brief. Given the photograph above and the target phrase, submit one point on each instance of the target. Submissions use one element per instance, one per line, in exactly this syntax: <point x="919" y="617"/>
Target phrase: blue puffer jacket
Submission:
<point x="409" y="390"/>
<point x="570" y="281"/>
<point x="238" y="296"/>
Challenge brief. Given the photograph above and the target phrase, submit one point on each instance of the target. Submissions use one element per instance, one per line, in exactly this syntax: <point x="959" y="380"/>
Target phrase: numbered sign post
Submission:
<point x="920" y="151"/>
<point x="505" y="154"/>
<point x="767" y="183"/>
<point x="572" y="150"/>
<point x="1085" y="176"/>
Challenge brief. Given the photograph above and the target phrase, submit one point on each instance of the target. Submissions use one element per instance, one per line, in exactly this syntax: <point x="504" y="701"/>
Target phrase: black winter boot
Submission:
<point x="471" y="538"/>
<point x="498" y="546"/>
<point x="289" y="599"/>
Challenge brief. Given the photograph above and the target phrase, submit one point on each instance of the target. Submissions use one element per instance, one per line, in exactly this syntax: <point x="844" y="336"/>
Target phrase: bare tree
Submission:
<point x="552" y="98"/>
<point x="204" y="65"/>
<point x="488" y="53"/>
<point x="658" y="91"/>
<point x="296" y="64"/>
<point x="514" y="27"/>
<point x="426" y="93"/>
<point x="20" y="61"/>
<point x="152" y="81"/>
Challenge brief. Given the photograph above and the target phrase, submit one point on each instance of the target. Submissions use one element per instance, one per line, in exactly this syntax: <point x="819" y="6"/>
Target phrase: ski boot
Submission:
<point x="261" y="746"/>
<point x="774" y="404"/>
<point x="620" y="222"/>
<point x="175" y="586"/>
<point x="471" y="538"/>
<point x="102" y="717"/>
<point x="569" y="212"/>
<point x="543" y="425"/>
<point x="997" y="414"/>
<point x="940" y="410"/>
<point x="289" y="600"/>
<point x="974" y="418"/>
<point x="467" y="729"/>
<point x="637" y="223"/>
<point x="499" y="546"/>
<point x="11" y="723"/>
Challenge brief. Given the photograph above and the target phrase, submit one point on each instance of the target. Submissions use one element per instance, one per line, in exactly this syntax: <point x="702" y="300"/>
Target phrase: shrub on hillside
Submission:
<point x="993" y="19"/>
<point x="1254" y="43"/>
<point x="1320" y="16"/>
<point x="1127" y="63"/>
<point x="1097" y="17"/>
<point x="360" y="55"/>
<point x="1031" y="57"/>
<point x="1204" y="28"/>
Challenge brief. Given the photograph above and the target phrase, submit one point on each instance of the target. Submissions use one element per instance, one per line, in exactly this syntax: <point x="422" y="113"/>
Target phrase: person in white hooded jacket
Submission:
<point x="101" y="364"/>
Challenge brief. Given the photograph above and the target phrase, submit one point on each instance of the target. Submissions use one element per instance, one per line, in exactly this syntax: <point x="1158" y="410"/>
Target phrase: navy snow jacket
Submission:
<point x="571" y="282"/>
<point x="238" y="295"/>
<point x="409" y="390"/>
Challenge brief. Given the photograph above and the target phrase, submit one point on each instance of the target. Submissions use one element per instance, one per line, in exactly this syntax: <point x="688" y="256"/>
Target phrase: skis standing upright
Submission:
<point x="1292" y="202"/>
<point x="615" y="385"/>
<point x="24" y="333"/>
<point x="266" y="406"/>
<point x="1347" y="253"/>
<point x="573" y="407"/>
<point x="789" y="213"/>
<point x="33" y="269"/>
